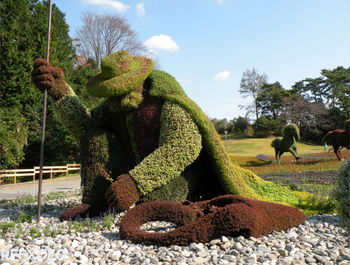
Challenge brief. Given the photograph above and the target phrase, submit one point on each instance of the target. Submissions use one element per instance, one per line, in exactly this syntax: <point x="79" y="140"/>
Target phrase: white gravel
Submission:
<point x="320" y="240"/>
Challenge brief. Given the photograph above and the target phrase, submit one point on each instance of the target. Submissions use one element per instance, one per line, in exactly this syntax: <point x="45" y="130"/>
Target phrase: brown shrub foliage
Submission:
<point x="228" y="215"/>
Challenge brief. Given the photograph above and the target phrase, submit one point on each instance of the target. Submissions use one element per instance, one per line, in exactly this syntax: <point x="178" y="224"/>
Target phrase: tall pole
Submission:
<point x="44" y="117"/>
<point x="225" y="141"/>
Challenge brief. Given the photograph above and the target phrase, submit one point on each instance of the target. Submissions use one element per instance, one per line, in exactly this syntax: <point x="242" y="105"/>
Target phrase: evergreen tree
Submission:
<point x="272" y="100"/>
<point x="13" y="137"/>
<point x="331" y="89"/>
<point x="23" y="37"/>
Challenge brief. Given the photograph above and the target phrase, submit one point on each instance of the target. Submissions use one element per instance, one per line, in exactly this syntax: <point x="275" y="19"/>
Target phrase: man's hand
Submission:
<point x="122" y="193"/>
<point x="44" y="76"/>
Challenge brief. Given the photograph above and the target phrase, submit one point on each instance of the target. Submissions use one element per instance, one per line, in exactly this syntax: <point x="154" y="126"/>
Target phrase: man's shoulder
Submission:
<point x="162" y="84"/>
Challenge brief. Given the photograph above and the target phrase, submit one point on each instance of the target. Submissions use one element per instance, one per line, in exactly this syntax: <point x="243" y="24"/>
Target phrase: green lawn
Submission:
<point x="240" y="146"/>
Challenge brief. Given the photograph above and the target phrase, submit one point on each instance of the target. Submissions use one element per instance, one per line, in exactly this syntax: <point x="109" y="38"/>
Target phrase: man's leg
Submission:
<point x="102" y="158"/>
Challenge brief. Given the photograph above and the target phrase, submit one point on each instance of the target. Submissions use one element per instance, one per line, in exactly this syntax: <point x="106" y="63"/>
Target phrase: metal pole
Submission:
<point x="225" y="141"/>
<point x="44" y="117"/>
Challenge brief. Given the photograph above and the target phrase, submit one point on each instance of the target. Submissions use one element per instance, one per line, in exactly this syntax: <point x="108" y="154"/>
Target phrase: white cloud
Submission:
<point x="180" y="80"/>
<point x="109" y="3"/>
<point x="222" y="76"/>
<point x="141" y="9"/>
<point x="221" y="2"/>
<point x="161" y="42"/>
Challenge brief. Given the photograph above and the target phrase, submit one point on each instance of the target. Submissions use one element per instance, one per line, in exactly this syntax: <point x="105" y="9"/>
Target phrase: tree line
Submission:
<point x="23" y="38"/>
<point x="316" y="105"/>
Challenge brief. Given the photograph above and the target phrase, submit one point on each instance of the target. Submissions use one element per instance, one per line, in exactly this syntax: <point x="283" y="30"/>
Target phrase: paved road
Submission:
<point x="9" y="191"/>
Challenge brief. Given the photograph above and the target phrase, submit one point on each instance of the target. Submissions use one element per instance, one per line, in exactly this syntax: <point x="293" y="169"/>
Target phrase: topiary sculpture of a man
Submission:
<point x="147" y="136"/>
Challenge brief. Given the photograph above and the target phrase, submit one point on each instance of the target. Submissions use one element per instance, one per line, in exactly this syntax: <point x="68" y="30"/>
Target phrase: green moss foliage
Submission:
<point x="72" y="114"/>
<point x="202" y="221"/>
<point x="121" y="84"/>
<point x="174" y="191"/>
<point x="233" y="179"/>
<point x="116" y="64"/>
<point x="179" y="146"/>
<point x="291" y="129"/>
<point x="101" y="155"/>
<point x="342" y="193"/>
<point x="287" y="143"/>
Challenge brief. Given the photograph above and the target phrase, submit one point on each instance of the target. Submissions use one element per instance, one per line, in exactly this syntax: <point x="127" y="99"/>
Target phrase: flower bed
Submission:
<point x="311" y="177"/>
<point x="263" y="164"/>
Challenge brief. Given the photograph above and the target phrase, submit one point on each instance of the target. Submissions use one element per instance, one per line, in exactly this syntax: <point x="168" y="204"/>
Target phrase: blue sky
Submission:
<point x="208" y="44"/>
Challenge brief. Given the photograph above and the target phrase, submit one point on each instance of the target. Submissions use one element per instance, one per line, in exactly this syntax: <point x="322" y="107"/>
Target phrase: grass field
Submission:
<point x="258" y="156"/>
<point x="238" y="145"/>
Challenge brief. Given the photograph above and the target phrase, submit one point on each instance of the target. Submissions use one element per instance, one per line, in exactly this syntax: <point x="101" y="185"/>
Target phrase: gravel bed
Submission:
<point x="320" y="240"/>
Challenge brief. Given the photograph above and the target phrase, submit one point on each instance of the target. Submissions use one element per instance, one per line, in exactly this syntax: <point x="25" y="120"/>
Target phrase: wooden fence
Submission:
<point x="36" y="170"/>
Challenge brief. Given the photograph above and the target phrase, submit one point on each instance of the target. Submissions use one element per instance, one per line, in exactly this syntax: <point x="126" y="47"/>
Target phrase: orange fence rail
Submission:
<point x="36" y="170"/>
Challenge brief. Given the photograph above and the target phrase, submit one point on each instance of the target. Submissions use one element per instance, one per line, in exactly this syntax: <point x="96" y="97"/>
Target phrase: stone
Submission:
<point x="237" y="246"/>
<point x="282" y="252"/>
<point x="116" y="255"/>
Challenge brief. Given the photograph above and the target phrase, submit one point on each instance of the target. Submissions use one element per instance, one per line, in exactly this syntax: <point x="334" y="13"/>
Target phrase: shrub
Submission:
<point x="249" y="131"/>
<point x="202" y="221"/>
<point x="262" y="134"/>
<point x="24" y="217"/>
<point x="342" y="193"/>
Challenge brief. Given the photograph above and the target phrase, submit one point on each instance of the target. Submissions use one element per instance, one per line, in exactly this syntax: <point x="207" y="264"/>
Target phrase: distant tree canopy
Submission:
<point x="271" y="101"/>
<point x="239" y="124"/>
<point x="316" y="105"/>
<point x="222" y="125"/>
<point x="331" y="89"/>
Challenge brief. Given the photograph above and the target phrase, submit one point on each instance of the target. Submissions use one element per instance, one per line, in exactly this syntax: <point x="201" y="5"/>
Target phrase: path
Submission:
<point x="9" y="191"/>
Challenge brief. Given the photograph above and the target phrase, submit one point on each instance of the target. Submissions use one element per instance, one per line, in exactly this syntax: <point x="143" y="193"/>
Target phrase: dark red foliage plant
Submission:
<point x="228" y="215"/>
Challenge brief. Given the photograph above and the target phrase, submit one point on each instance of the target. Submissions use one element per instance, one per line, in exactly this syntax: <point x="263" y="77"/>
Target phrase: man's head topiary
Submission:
<point x="120" y="74"/>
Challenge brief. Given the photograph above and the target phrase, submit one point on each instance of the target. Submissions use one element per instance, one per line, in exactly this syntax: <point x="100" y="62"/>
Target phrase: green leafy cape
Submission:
<point x="234" y="179"/>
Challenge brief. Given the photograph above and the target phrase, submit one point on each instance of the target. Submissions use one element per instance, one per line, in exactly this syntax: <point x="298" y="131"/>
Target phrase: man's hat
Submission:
<point x="120" y="74"/>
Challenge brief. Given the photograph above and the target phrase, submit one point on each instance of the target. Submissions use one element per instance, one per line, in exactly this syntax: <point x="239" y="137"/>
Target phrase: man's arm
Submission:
<point x="68" y="107"/>
<point x="179" y="145"/>
<point x="72" y="114"/>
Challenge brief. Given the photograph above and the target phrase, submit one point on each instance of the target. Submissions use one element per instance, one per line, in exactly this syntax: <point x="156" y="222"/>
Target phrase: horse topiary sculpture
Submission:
<point x="287" y="143"/>
<point x="339" y="138"/>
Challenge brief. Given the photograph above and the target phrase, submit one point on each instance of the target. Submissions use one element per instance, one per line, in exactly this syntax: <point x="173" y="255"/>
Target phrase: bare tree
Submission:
<point x="251" y="84"/>
<point x="310" y="117"/>
<point x="103" y="34"/>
